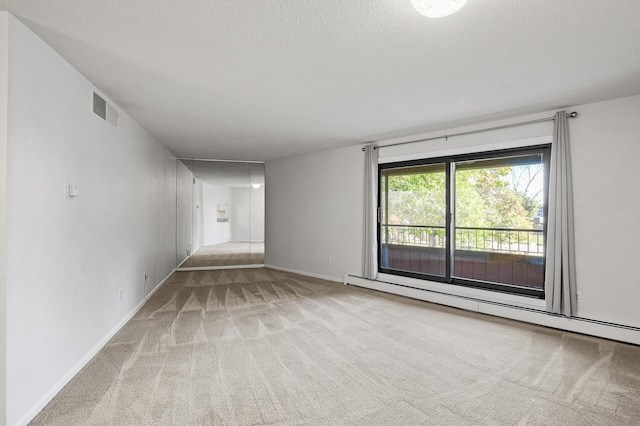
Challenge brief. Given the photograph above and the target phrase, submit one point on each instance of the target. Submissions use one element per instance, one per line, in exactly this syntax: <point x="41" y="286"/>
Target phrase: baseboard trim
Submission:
<point x="215" y="268"/>
<point x="308" y="274"/>
<point x="42" y="402"/>
<point x="183" y="260"/>
<point x="155" y="289"/>
<point x="606" y="330"/>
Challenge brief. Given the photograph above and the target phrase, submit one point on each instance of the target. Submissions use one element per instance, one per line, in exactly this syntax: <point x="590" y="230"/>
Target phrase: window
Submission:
<point x="474" y="220"/>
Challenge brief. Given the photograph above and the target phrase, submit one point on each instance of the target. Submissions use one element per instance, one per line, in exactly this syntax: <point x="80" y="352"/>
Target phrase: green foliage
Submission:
<point x="485" y="198"/>
<point x="419" y="198"/>
<point x="502" y="206"/>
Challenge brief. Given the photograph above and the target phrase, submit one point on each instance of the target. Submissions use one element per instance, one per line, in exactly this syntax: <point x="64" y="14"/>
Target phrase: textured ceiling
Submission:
<point x="256" y="80"/>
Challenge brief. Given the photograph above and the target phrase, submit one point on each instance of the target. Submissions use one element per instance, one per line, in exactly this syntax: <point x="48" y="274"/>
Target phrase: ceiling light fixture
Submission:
<point x="255" y="185"/>
<point x="437" y="8"/>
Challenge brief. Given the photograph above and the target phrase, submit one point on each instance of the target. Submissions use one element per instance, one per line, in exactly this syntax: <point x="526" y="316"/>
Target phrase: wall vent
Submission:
<point x="99" y="106"/>
<point x="104" y="110"/>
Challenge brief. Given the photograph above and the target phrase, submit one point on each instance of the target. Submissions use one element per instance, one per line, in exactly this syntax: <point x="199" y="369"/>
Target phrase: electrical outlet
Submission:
<point x="329" y="259"/>
<point x="120" y="293"/>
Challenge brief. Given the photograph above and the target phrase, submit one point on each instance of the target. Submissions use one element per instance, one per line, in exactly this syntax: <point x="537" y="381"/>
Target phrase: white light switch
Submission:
<point x="72" y="191"/>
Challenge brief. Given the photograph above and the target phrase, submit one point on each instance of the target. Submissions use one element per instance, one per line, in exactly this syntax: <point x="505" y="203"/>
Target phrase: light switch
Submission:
<point x="72" y="191"/>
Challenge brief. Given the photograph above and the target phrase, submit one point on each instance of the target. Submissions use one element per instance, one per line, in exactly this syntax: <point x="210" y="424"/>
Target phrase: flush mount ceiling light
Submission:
<point x="255" y="185"/>
<point x="437" y="8"/>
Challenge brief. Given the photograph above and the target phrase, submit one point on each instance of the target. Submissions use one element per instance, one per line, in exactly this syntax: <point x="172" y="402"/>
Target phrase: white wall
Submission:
<point x="184" y="205"/>
<point x="4" y="57"/>
<point x="241" y="214"/>
<point x="605" y="149"/>
<point x="68" y="258"/>
<point x="257" y="214"/>
<point x="247" y="215"/>
<point x="197" y="216"/>
<point x="214" y="232"/>
<point x="314" y="205"/>
<point x="314" y="211"/>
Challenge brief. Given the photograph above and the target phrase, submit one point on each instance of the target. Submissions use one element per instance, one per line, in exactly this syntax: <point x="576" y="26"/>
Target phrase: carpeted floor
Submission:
<point x="227" y="254"/>
<point x="257" y="346"/>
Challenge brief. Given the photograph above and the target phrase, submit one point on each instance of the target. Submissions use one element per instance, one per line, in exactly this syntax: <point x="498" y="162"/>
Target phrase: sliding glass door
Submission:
<point x="475" y="220"/>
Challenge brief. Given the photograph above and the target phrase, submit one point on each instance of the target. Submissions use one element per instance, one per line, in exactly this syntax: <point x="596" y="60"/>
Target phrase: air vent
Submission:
<point x="104" y="110"/>
<point x="99" y="106"/>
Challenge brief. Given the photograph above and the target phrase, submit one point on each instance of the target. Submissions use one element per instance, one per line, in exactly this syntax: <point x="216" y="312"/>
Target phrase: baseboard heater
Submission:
<point x="607" y="330"/>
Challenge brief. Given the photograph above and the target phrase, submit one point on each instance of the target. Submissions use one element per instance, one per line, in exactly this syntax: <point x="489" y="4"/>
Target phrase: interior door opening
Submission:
<point x="220" y="207"/>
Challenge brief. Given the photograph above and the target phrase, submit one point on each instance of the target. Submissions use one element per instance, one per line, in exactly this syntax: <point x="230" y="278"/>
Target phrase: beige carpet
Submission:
<point x="227" y="254"/>
<point x="257" y="346"/>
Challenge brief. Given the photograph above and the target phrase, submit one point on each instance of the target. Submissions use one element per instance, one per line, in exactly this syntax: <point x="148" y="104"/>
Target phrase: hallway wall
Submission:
<point x="75" y="266"/>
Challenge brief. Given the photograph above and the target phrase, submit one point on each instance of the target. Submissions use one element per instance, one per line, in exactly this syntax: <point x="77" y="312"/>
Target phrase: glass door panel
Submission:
<point x="413" y="219"/>
<point x="499" y="219"/>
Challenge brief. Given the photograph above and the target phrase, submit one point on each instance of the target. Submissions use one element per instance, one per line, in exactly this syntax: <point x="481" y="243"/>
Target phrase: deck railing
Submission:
<point x="499" y="240"/>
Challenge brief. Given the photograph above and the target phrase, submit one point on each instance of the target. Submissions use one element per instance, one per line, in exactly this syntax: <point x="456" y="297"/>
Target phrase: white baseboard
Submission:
<point x="155" y="289"/>
<point x="308" y="274"/>
<point x="586" y="326"/>
<point x="183" y="260"/>
<point x="215" y="268"/>
<point x="514" y="300"/>
<point x="46" y="398"/>
<point x="236" y="241"/>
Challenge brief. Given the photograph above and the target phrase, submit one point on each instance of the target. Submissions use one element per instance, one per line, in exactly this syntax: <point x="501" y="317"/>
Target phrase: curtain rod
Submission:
<point x="506" y="126"/>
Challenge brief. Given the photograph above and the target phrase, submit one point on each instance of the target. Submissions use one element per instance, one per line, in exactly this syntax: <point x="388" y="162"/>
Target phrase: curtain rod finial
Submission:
<point x="572" y="114"/>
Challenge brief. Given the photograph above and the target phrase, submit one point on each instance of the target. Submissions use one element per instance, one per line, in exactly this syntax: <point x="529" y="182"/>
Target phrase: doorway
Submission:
<point x="220" y="214"/>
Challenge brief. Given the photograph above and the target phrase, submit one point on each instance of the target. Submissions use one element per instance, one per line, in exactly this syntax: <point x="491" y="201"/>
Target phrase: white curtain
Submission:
<point x="560" y="274"/>
<point x="370" y="263"/>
